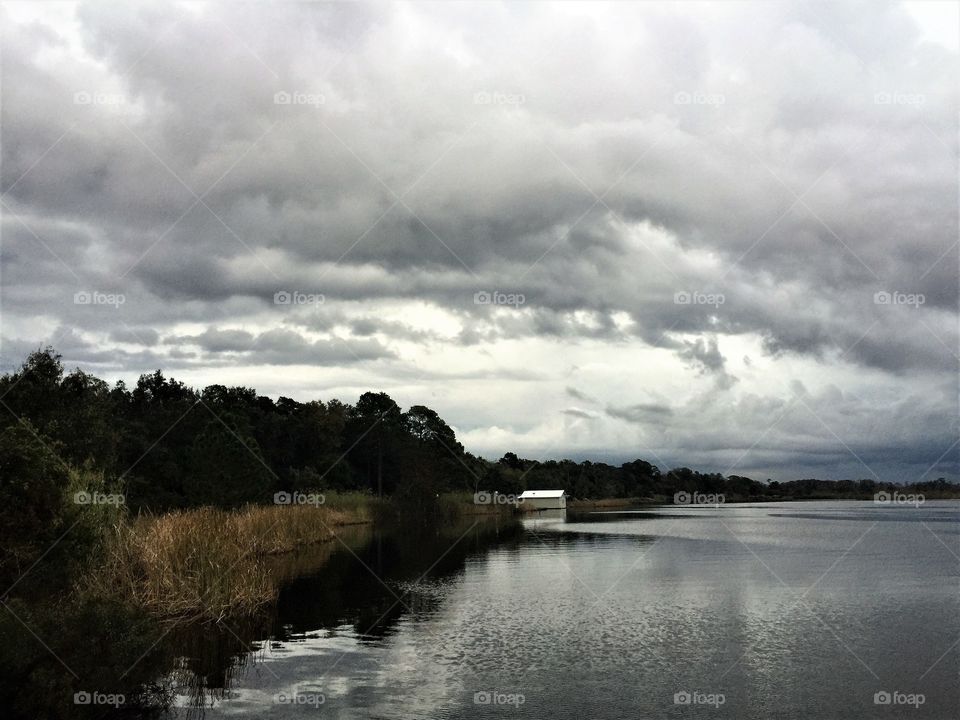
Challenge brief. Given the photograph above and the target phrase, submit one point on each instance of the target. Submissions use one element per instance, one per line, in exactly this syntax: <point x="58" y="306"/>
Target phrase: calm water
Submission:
<point x="793" y="610"/>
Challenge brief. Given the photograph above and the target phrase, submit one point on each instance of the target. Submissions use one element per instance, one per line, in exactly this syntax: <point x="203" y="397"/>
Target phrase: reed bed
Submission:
<point x="606" y="503"/>
<point x="463" y="504"/>
<point x="208" y="562"/>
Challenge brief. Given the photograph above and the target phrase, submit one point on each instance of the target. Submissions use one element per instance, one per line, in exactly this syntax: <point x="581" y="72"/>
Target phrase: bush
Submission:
<point x="33" y="484"/>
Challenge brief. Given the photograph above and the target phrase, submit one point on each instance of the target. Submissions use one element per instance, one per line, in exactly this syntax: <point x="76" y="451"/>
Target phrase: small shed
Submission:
<point x="543" y="500"/>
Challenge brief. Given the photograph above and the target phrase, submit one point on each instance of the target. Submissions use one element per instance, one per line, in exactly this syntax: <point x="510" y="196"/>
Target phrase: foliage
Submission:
<point x="33" y="484"/>
<point x="84" y="642"/>
<point x="171" y="446"/>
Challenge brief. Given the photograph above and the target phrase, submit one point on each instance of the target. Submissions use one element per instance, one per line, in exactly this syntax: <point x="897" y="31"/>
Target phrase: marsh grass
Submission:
<point x="607" y="503"/>
<point x="209" y="562"/>
<point x="462" y="504"/>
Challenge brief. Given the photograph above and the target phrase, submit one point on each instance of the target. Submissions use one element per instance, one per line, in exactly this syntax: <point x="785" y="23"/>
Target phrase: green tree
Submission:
<point x="88" y="426"/>
<point x="33" y="392"/>
<point x="375" y="435"/>
<point x="436" y="454"/>
<point x="226" y="467"/>
<point x="160" y="422"/>
<point x="33" y="482"/>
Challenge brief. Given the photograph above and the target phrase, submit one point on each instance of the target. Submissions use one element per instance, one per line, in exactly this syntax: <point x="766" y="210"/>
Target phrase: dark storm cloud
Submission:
<point x="216" y="341"/>
<point x="641" y="413"/>
<point x="794" y="159"/>
<point x="578" y="394"/>
<point x="582" y="414"/>
<point x="135" y="336"/>
<point x="831" y="433"/>
<point x="705" y="354"/>
<point x="283" y="347"/>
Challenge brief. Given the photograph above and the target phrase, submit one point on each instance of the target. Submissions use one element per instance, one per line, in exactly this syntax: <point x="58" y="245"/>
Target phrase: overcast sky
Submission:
<point x="721" y="235"/>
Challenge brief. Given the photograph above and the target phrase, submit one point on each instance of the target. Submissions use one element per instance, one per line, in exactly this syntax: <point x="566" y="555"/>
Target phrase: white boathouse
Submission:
<point x="543" y="500"/>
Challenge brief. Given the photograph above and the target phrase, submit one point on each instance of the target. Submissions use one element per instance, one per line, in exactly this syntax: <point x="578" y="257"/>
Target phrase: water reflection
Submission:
<point x="356" y="590"/>
<point x="788" y="610"/>
<point x="547" y="515"/>
<point x="611" y="614"/>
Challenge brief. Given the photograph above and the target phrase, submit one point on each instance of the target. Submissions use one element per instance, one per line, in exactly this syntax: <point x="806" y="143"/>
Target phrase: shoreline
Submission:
<point x="614" y="503"/>
<point x="211" y="563"/>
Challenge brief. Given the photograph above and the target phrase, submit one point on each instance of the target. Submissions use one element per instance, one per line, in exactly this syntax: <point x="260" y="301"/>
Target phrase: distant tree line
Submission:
<point x="165" y="445"/>
<point x="641" y="480"/>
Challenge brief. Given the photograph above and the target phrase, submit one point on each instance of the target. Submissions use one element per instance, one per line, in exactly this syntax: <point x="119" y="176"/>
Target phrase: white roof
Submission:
<point x="532" y="494"/>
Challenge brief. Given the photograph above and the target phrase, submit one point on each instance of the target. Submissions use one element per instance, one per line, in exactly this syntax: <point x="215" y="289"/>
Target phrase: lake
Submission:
<point x="788" y="610"/>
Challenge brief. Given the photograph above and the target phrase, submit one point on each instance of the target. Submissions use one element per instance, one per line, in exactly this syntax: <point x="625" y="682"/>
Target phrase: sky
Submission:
<point x="720" y="235"/>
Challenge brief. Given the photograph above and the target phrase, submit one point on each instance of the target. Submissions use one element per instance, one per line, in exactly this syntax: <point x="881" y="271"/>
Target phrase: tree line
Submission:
<point x="165" y="445"/>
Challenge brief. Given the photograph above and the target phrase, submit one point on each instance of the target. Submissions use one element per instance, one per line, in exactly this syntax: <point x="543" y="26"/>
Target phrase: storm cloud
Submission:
<point x="494" y="208"/>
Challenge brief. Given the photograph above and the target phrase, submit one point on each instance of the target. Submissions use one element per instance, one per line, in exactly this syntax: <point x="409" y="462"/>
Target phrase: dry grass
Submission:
<point x="208" y="562"/>
<point x="462" y="504"/>
<point x="604" y="503"/>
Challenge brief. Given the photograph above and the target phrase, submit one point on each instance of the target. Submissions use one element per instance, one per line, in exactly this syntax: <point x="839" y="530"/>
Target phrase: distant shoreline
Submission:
<point x="614" y="503"/>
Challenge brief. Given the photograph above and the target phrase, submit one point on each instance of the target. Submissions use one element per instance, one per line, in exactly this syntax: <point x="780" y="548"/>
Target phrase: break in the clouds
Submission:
<point x="716" y="234"/>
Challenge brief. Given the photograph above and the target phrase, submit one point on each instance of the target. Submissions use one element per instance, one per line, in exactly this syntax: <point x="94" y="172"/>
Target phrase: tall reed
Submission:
<point x="209" y="562"/>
